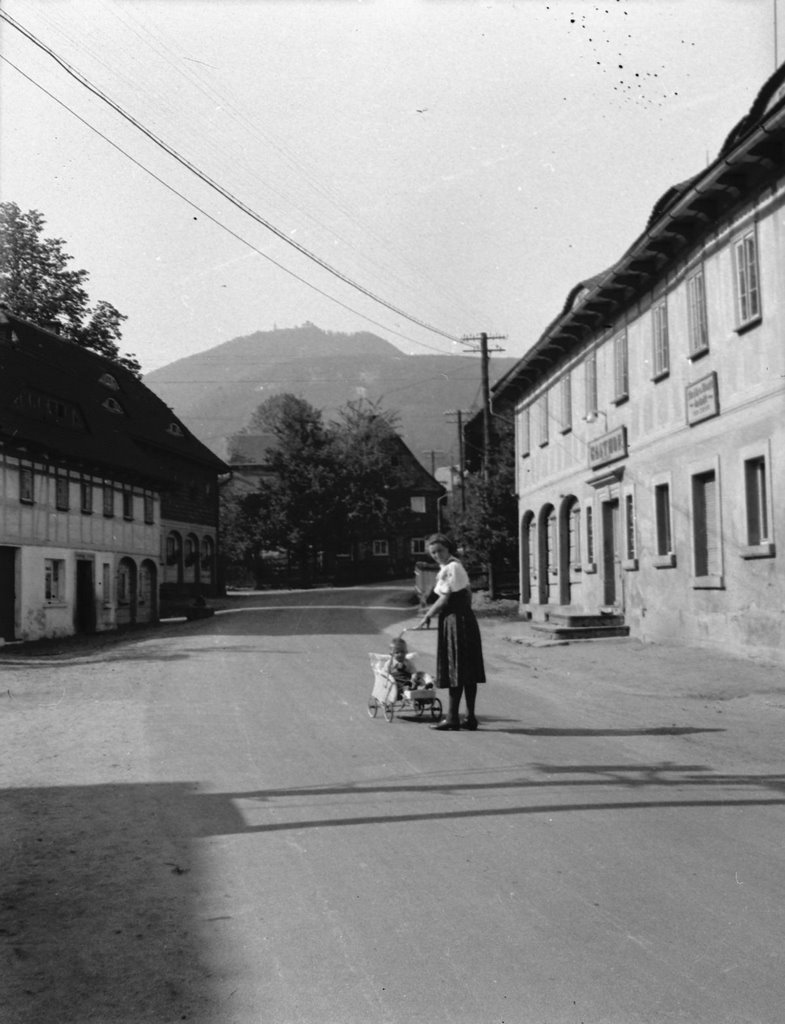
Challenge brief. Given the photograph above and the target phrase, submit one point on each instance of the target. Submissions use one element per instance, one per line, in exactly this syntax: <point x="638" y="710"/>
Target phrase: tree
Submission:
<point x="37" y="283"/>
<point x="297" y="509"/>
<point x="489" y="525"/>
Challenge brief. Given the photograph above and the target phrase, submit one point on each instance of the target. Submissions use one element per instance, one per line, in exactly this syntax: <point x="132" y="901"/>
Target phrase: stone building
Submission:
<point x="650" y="417"/>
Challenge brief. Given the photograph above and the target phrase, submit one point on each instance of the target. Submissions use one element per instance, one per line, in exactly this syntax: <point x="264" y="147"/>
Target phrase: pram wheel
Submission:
<point x="419" y="707"/>
<point x="436" y="709"/>
<point x="389" y="711"/>
<point x="373" y="707"/>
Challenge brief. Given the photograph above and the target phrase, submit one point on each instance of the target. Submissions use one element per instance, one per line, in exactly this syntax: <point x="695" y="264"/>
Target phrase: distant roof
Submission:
<point x="60" y="399"/>
<point x="250" y="449"/>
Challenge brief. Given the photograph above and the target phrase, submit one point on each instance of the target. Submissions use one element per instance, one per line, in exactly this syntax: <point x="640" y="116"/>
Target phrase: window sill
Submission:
<point x="708" y="583"/>
<point x="664" y="561"/>
<point x="589" y="567"/>
<point x="662" y="375"/>
<point x="629" y="564"/>
<point x="56" y="603"/>
<point x="565" y="430"/>
<point x="766" y="550"/>
<point x="743" y="328"/>
<point x="525" y="455"/>
<point x="698" y="353"/>
<point x="621" y="399"/>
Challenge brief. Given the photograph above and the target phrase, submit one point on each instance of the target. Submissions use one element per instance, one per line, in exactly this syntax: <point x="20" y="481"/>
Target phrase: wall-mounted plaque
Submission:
<point x="609" y="447"/>
<point x="703" y="399"/>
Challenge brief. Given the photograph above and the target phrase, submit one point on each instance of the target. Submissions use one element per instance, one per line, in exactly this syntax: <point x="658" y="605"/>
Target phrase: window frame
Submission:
<point x="525" y="431"/>
<point x="629" y="525"/>
<point x="108" y="500"/>
<point x="543" y="425"/>
<point x="128" y="504"/>
<point x="27" y="485"/>
<point x="420" y="500"/>
<point x="62" y="492"/>
<point x="697" y="314"/>
<point x="54" y="581"/>
<point x="662" y="518"/>
<point x="660" y="343"/>
<point x="565" y="402"/>
<point x="621" y="368"/>
<point x="764" y="546"/>
<point x="86" y="497"/>
<point x="706" y="580"/>
<point x="746" y="277"/>
<point x="590" y="391"/>
<point x="380" y="548"/>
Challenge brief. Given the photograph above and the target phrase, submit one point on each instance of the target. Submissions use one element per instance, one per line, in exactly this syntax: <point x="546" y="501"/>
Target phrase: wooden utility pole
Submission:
<point x="461" y="460"/>
<point x="482" y="339"/>
<point x="433" y="452"/>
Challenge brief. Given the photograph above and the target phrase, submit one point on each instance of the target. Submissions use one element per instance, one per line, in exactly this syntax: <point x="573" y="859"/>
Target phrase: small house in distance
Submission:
<point x="363" y="552"/>
<point x="108" y="504"/>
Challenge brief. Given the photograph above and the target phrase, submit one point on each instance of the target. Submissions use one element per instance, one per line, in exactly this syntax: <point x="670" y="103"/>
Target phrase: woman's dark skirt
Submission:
<point x="459" y="649"/>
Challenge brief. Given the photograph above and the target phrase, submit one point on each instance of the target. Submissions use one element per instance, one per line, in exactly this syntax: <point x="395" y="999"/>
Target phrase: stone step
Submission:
<point x="588" y="632"/>
<point x="583" y="619"/>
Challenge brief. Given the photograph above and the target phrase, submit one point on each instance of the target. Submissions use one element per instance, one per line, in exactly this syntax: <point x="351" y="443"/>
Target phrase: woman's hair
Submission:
<point x="441" y="538"/>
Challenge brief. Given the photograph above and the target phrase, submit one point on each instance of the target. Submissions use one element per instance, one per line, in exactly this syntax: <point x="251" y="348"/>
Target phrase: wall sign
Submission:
<point x="609" y="447"/>
<point x="703" y="399"/>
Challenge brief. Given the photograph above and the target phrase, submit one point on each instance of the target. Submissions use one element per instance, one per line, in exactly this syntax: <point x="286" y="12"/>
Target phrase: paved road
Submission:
<point x="205" y="825"/>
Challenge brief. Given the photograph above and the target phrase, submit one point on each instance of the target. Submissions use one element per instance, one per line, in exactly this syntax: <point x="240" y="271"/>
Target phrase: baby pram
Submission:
<point x="392" y="696"/>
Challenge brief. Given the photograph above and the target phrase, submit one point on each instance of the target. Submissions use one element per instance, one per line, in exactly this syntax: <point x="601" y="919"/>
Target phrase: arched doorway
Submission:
<point x="126" y="591"/>
<point x="191" y="560"/>
<point x="147" y="603"/>
<point x="207" y="564"/>
<point x="547" y="555"/>
<point x="569" y="545"/>
<point x="173" y="572"/>
<point x="528" y="548"/>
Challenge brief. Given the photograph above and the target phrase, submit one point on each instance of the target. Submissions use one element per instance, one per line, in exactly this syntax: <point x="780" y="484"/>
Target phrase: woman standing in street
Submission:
<point x="459" y="661"/>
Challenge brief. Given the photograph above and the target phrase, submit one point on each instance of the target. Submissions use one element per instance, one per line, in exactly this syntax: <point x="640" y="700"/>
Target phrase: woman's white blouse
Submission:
<point x="451" y="577"/>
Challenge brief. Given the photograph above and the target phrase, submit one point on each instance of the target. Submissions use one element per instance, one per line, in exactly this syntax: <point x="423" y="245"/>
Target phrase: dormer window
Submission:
<point x="109" y="381"/>
<point x="113" y="406"/>
<point x="175" y="430"/>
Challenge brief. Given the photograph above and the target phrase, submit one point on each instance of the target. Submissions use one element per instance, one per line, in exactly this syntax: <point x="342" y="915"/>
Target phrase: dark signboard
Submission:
<point x="703" y="400"/>
<point x="608" y="448"/>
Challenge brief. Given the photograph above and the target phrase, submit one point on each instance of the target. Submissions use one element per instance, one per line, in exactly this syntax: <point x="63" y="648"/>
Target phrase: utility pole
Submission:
<point x="433" y="452"/>
<point x="482" y="339"/>
<point x="461" y="461"/>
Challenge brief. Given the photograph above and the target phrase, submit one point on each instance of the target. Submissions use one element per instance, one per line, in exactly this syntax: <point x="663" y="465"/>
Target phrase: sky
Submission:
<point x="465" y="162"/>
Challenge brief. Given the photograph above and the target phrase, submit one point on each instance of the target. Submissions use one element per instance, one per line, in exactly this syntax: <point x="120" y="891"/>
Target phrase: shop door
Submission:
<point x="7" y="593"/>
<point x="85" y="596"/>
<point x="611" y="554"/>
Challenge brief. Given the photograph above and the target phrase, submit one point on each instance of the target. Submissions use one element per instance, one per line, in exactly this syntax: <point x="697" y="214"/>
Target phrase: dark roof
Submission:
<point x="60" y="400"/>
<point x="747" y="162"/>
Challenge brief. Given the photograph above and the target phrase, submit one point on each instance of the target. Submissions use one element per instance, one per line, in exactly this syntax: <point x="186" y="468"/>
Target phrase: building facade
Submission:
<point x="91" y="470"/>
<point x="650" y="416"/>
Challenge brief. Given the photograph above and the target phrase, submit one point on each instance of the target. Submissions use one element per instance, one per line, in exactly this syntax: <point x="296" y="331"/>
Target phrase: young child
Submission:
<point x="402" y="670"/>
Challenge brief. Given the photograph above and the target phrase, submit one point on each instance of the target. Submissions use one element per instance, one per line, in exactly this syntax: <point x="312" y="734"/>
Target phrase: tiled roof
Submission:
<point x="60" y="400"/>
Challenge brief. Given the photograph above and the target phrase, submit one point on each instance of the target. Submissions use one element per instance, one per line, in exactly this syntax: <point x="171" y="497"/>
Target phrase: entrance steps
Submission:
<point x="567" y="625"/>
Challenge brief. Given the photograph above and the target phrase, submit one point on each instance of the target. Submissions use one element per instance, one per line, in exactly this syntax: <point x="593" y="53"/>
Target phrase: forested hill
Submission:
<point x="216" y="392"/>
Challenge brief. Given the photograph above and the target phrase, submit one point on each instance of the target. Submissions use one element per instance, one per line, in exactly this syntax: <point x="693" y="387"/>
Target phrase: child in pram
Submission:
<point x="401" y="668"/>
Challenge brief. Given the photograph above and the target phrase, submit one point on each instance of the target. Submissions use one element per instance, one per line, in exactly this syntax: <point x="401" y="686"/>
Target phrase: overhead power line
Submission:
<point x="238" y="203"/>
<point x="214" y="220"/>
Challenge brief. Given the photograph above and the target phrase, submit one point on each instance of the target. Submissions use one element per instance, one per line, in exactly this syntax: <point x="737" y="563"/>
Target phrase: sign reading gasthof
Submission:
<point x="703" y="400"/>
<point x="609" y="447"/>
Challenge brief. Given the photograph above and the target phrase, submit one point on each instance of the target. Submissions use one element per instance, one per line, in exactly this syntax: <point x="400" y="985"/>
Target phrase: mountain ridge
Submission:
<point x="215" y="392"/>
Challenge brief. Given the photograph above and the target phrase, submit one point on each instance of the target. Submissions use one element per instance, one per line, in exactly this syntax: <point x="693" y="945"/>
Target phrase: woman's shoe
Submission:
<point x="446" y="726"/>
<point x="470" y="724"/>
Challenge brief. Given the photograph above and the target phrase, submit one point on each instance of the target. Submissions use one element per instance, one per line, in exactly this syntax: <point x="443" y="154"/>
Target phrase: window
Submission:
<point x="664" y="556"/>
<point x="590" y="383"/>
<point x="128" y="505"/>
<point x="621" y="371"/>
<point x="106" y="576"/>
<point x="697" y="324"/>
<point x="630" y="549"/>
<point x="381" y="548"/>
<point x="565" y="388"/>
<point x="108" y="500"/>
<point x="54" y="580"/>
<point x="542" y="439"/>
<point x="574" y="540"/>
<point x="418" y="545"/>
<point x="86" y="497"/>
<point x="109" y="381"/>
<point x="124" y="583"/>
<point x="112" y="405"/>
<point x="61" y="493"/>
<point x="149" y="508"/>
<point x="417" y="503"/>
<point x="590" y="534"/>
<point x="526" y="430"/>
<point x="660" y="353"/>
<point x="759" y="541"/>
<point x="26" y="485"/>
<point x="707" y="554"/>
<point x="745" y="257"/>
